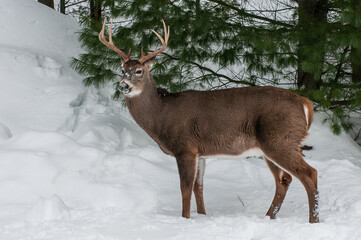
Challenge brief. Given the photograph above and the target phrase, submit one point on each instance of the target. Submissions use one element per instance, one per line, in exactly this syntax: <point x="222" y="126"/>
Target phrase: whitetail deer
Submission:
<point x="191" y="125"/>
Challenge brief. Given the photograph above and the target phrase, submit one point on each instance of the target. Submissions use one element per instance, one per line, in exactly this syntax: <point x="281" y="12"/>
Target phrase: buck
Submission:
<point x="192" y="125"/>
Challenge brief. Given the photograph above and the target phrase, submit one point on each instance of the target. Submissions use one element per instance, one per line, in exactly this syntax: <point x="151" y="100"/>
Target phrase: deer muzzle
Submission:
<point x="123" y="87"/>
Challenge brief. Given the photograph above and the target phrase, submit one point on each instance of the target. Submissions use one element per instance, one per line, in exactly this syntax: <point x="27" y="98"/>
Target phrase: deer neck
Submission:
<point x="146" y="107"/>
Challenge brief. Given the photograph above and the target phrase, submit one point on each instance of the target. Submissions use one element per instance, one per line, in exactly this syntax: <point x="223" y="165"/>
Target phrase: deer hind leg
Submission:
<point x="293" y="163"/>
<point x="282" y="180"/>
<point x="308" y="176"/>
<point x="187" y="170"/>
<point x="198" y="186"/>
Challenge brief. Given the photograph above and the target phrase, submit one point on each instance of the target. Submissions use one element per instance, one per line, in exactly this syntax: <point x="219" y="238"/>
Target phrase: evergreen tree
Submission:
<point x="310" y="46"/>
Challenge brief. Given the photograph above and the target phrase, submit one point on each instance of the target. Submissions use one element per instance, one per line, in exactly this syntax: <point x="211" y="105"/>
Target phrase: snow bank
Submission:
<point x="74" y="165"/>
<point x="36" y="83"/>
<point x="48" y="209"/>
<point x="5" y="132"/>
<point x="29" y="25"/>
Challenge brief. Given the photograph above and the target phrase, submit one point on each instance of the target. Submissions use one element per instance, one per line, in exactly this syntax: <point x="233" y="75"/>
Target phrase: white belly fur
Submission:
<point x="253" y="152"/>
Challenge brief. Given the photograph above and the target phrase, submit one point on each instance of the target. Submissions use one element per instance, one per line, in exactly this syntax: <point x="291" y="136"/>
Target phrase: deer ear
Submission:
<point x="149" y="63"/>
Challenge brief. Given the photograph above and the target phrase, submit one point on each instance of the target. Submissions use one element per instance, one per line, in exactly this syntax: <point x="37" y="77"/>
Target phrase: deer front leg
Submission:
<point x="198" y="186"/>
<point x="187" y="171"/>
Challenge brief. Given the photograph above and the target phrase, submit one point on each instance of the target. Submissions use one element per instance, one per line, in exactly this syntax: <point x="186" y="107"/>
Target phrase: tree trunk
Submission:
<point x="356" y="65"/>
<point x="356" y="54"/>
<point x="96" y="9"/>
<point x="312" y="38"/>
<point x="62" y="6"/>
<point x="49" y="3"/>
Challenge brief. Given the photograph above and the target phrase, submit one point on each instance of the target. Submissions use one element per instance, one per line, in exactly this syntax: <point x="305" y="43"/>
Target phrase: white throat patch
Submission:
<point x="133" y="93"/>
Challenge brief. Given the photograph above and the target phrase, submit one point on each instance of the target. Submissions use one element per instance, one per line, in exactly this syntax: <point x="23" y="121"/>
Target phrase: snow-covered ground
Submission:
<point x="74" y="165"/>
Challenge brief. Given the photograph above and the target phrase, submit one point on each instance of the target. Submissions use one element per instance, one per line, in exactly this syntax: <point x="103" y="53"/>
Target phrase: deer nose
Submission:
<point x="123" y="87"/>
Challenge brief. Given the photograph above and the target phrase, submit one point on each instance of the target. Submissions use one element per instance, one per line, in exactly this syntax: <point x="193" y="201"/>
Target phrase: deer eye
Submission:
<point x="138" y="72"/>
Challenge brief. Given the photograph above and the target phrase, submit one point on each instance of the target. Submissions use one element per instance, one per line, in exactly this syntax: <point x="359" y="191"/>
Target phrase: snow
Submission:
<point x="74" y="165"/>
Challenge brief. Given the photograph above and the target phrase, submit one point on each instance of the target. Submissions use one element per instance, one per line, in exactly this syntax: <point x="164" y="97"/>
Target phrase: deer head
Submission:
<point x="135" y="73"/>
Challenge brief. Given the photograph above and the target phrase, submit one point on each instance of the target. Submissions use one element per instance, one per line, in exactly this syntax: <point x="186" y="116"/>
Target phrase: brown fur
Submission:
<point x="191" y="124"/>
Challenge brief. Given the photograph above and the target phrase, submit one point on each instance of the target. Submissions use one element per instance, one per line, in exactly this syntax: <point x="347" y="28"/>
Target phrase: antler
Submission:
<point x="143" y="59"/>
<point x="110" y="44"/>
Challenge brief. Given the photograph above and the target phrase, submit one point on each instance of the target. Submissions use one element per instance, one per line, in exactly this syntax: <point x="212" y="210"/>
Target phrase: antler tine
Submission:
<point x="110" y="44"/>
<point x="110" y="32"/>
<point x="143" y="59"/>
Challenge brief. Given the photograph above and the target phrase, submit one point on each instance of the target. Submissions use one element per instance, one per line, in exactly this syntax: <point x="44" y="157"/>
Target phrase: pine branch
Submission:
<point x="243" y="12"/>
<point x="73" y="4"/>
<point x="214" y="73"/>
<point x="338" y="103"/>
